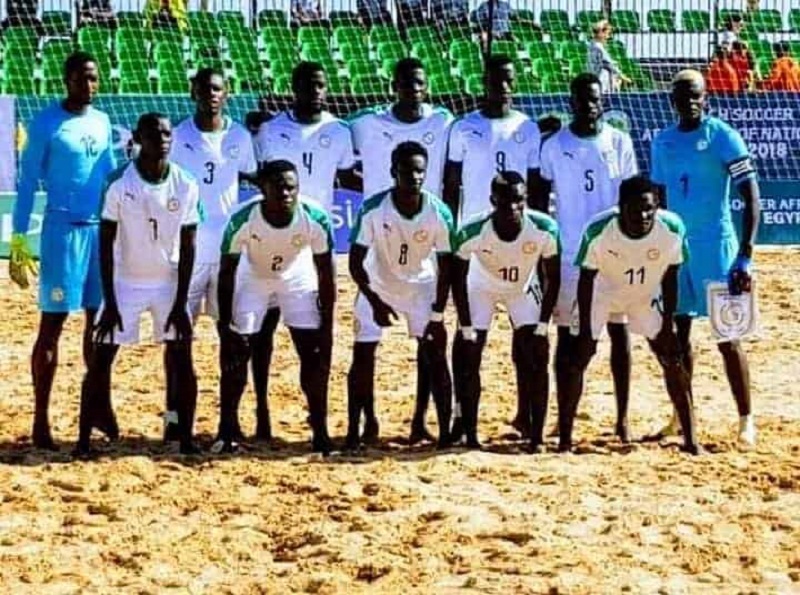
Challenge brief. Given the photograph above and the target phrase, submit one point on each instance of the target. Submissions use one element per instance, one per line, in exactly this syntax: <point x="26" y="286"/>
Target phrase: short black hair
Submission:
<point x="305" y="70"/>
<point x="506" y="179"/>
<point x="406" y="150"/>
<point x="636" y="186"/>
<point x="205" y="74"/>
<point x="75" y="61"/>
<point x="583" y="80"/>
<point x="270" y="170"/>
<point x="782" y="48"/>
<point x="150" y="119"/>
<point x="498" y="61"/>
<point x="407" y="66"/>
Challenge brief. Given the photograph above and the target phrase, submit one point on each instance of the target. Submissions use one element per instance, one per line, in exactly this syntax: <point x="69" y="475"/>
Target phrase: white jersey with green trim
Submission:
<point x="376" y="132"/>
<point x="402" y="251"/>
<point x="485" y="146"/>
<point x="149" y="219"/>
<point x="629" y="271"/>
<point x="507" y="267"/>
<point x="318" y="150"/>
<point x="586" y="174"/>
<point x="215" y="160"/>
<point x="280" y="254"/>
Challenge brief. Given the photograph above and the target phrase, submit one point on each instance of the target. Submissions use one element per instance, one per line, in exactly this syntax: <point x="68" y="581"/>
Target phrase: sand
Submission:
<point x="637" y="519"/>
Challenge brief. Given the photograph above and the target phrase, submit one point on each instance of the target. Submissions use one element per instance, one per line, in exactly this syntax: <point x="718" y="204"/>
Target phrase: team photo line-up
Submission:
<point x="165" y="234"/>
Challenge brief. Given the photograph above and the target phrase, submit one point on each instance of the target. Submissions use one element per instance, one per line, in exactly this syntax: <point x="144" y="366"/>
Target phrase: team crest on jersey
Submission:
<point x="255" y="237"/>
<point x="173" y="205"/>
<point x="57" y="294"/>
<point x="428" y="138"/>
<point x="297" y="240"/>
<point x="233" y="151"/>
<point x="387" y="135"/>
<point x="529" y="248"/>
<point x="420" y="235"/>
<point x="653" y="254"/>
<point x="702" y="144"/>
<point x="324" y="141"/>
<point x="519" y="137"/>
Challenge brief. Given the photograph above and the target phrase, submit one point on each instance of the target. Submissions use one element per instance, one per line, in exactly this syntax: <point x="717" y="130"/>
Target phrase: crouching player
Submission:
<point x="147" y="245"/>
<point x="400" y="257"/>
<point x="505" y="247"/>
<point x="277" y="235"/>
<point x="629" y="258"/>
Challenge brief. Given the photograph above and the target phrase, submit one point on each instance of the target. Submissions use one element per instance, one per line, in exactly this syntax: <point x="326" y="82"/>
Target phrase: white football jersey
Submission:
<point x="586" y="174"/>
<point x="215" y="160"/>
<point x="376" y="132"/>
<point x="280" y="254"/>
<point x="318" y="151"/>
<point x="402" y="251"/>
<point x="149" y="218"/>
<point x="629" y="271"/>
<point x="485" y="146"/>
<point x="508" y="267"/>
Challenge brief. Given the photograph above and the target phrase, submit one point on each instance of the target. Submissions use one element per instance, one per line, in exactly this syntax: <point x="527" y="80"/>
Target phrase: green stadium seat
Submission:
<point x="626" y="21"/>
<point x="369" y="85"/>
<point x="555" y="83"/>
<point x="502" y="47"/>
<point x="794" y="20"/>
<point x="19" y="85"/>
<point x="349" y="35"/>
<point x="244" y="57"/>
<point x="230" y="20"/>
<point x="764" y="65"/>
<point x="468" y="66"/>
<point x="272" y="17"/>
<point x="20" y="41"/>
<point x="167" y="51"/>
<point x="362" y="68"/>
<point x="172" y="83"/>
<point x="355" y="51"/>
<point x="617" y="49"/>
<point x="135" y="86"/>
<point x="342" y="18"/>
<point x="577" y="66"/>
<point x="279" y="53"/>
<point x="94" y="39"/>
<point x="391" y="49"/>
<point x="527" y="84"/>
<point x="436" y="65"/>
<point x="317" y="36"/>
<point x="543" y="67"/>
<point x="383" y="34"/>
<point x="165" y="34"/>
<point x="765" y="21"/>
<point x="474" y="85"/>
<point x="541" y="49"/>
<point x="131" y="19"/>
<point x="282" y="84"/>
<point x="523" y="15"/>
<point x="56" y="23"/>
<point x="586" y="20"/>
<point x="725" y="14"/>
<point x="463" y="48"/>
<point x="204" y="49"/>
<point x="424" y="50"/>
<point x="127" y="42"/>
<point x="52" y="84"/>
<point x="661" y="20"/>
<point x="243" y="41"/>
<point x="525" y="32"/>
<point x="386" y="69"/>
<point x="282" y="67"/>
<point x="696" y="21"/>
<point x="337" y="85"/>
<point x="416" y="35"/>
<point x="794" y="48"/>
<point x="761" y="48"/>
<point x="554" y="22"/>
<point x="444" y="84"/>
<point x="203" y="25"/>
<point x="278" y="35"/>
<point x="456" y="31"/>
<point x="56" y="51"/>
<point x="134" y="77"/>
<point x="572" y="49"/>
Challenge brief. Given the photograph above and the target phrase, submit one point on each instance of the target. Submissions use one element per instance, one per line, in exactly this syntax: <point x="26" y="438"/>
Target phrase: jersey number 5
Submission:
<point x="209" y="177"/>
<point x="588" y="175"/>
<point x="308" y="161"/>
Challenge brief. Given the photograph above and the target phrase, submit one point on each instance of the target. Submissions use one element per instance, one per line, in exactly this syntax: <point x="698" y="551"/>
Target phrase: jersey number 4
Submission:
<point x="308" y="161"/>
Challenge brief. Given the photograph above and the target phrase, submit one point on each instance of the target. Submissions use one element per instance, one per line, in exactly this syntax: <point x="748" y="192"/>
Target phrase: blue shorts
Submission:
<point x="709" y="260"/>
<point x="69" y="266"/>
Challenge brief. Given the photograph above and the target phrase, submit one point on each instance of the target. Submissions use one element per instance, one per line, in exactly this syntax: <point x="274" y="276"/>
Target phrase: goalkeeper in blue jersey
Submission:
<point x="695" y="162"/>
<point x="70" y="148"/>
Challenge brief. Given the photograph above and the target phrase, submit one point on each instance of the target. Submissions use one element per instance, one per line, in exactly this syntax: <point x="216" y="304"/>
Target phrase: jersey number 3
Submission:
<point x="209" y="177"/>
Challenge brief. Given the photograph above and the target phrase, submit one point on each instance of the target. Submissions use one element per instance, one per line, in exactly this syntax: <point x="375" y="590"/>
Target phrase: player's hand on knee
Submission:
<point x="110" y="320"/>
<point x="179" y="320"/>
<point x="740" y="276"/>
<point x="585" y="348"/>
<point x="436" y="333"/>
<point x="382" y="313"/>
<point x="21" y="262"/>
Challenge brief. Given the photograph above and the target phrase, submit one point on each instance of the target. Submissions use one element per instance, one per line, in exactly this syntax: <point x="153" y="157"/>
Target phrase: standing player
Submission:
<point x="495" y="138"/>
<point x="321" y="147"/>
<point x="70" y="148"/>
<point x="629" y="258"/>
<point x="375" y="135"/>
<point x="274" y="234"/>
<point x="215" y="150"/>
<point x="584" y="164"/>
<point x="400" y="256"/>
<point x="147" y="244"/>
<point x="695" y="161"/>
<point x="509" y="244"/>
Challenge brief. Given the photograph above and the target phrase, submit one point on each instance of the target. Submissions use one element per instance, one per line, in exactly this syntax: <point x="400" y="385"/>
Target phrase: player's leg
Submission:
<point x="469" y="386"/>
<point x="533" y="382"/>
<point x="44" y="362"/>
<point x="234" y="353"/>
<point x="523" y="416"/>
<point x="683" y="331"/>
<point x="434" y="352"/>
<point x="261" y="345"/>
<point x="738" y="373"/>
<point x="419" y="430"/>
<point x="570" y="376"/>
<point x="361" y="376"/>
<point x="314" y="384"/>
<point x="621" y="373"/>
<point x="459" y="370"/>
<point x="180" y="360"/>
<point x="95" y="408"/>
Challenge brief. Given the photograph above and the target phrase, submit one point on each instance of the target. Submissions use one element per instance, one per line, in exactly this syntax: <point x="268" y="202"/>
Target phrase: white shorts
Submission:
<point x="523" y="308"/>
<point x="643" y="318"/>
<point x="203" y="290"/>
<point x="416" y="309"/>
<point x="252" y="298"/>
<point x="566" y="310"/>
<point x="133" y="301"/>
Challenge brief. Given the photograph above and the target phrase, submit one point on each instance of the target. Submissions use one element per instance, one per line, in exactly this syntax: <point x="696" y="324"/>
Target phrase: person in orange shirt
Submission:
<point x="785" y="74"/>
<point x="742" y="62"/>
<point x="721" y="76"/>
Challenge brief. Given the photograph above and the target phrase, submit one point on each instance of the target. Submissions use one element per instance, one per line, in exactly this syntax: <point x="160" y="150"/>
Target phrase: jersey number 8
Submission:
<point x="500" y="161"/>
<point x="403" y="260"/>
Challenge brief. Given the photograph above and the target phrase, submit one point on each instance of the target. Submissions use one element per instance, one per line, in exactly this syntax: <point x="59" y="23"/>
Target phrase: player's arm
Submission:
<point x="348" y="173"/>
<point x="539" y="182"/>
<point x="108" y="162"/>
<point x="550" y="271"/>
<point x="669" y="296"/>
<point x="32" y="167"/>
<point x="110" y="318"/>
<point x="358" y="273"/>
<point x="225" y="286"/>
<point x="586" y="343"/>
<point x="460" y="271"/>
<point x="185" y="264"/>
<point x="451" y="193"/>
<point x="322" y="246"/>
<point x="751" y="215"/>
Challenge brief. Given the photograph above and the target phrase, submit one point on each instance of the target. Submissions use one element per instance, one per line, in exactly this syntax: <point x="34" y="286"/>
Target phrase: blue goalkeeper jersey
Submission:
<point x="697" y="168"/>
<point x="73" y="154"/>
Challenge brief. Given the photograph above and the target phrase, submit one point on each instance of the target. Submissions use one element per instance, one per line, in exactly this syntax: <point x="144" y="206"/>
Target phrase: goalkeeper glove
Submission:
<point x="21" y="261"/>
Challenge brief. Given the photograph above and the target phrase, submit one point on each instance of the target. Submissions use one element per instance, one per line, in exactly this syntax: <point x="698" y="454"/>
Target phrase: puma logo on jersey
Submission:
<point x="486" y="250"/>
<point x="188" y="146"/>
<point x="255" y="237"/>
<point x="613" y="253"/>
<point x="387" y="227"/>
<point x="568" y="154"/>
<point x="286" y="138"/>
<point x="477" y="133"/>
<point x="387" y="135"/>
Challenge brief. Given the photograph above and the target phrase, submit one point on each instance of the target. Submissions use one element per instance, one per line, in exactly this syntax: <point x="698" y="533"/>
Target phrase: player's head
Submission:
<point x="410" y="83"/>
<point x="81" y="77"/>
<point x="153" y="134"/>
<point x="280" y="186"/>
<point x="689" y="94"/>
<point x="586" y="97"/>
<point x="499" y="80"/>
<point x="638" y="203"/>
<point x="601" y="30"/>
<point x="508" y="196"/>
<point x="310" y="85"/>
<point x="409" y="163"/>
<point x="209" y="91"/>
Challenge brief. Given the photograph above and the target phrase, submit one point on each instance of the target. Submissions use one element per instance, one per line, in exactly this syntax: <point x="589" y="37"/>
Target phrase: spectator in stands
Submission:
<point x="743" y="63"/>
<point x="305" y="11"/>
<point x="785" y="73"/>
<point x="721" y="76"/>
<point x="500" y="25"/>
<point x="166" y="13"/>
<point x="373" y="12"/>
<point x="411" y="13"/>
<point x="600" y="61"/>
<point x="447" y="13"/>
<point x="98" y="12"/>
<point x="733" y="30"/>
<point x="21" y="13"/>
